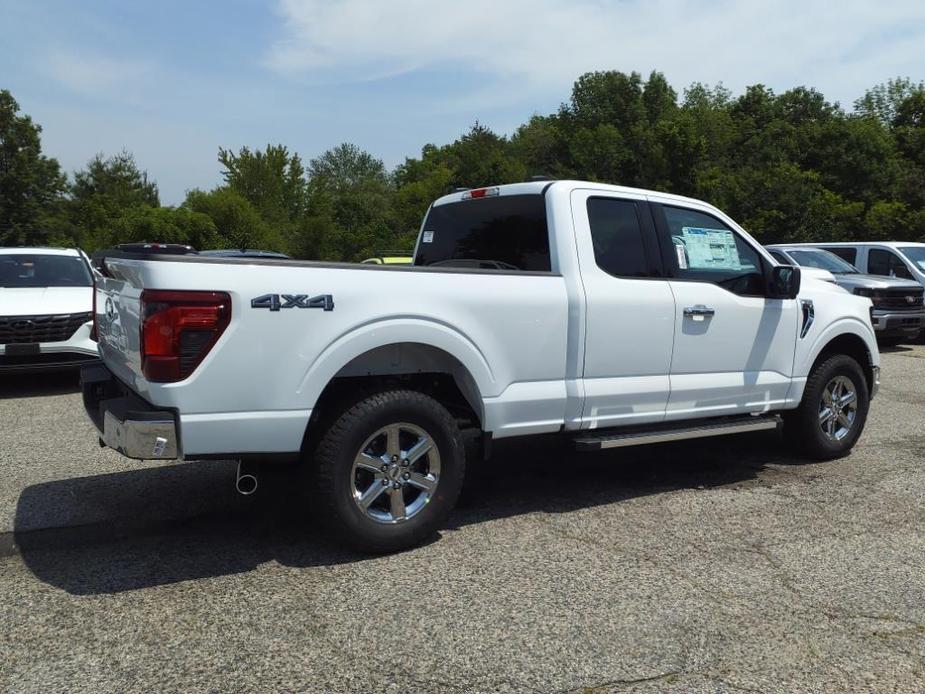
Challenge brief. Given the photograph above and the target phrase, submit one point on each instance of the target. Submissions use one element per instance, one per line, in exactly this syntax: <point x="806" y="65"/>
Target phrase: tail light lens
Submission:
<point x="178" y="329"/>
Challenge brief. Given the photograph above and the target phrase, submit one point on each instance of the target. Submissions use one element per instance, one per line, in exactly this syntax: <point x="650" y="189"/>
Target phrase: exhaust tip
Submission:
<point x="245" y="482"/>
<point x="246" y="485"/>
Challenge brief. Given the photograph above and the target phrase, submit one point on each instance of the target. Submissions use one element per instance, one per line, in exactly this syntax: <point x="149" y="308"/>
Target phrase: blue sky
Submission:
<point x="173" y="81"/>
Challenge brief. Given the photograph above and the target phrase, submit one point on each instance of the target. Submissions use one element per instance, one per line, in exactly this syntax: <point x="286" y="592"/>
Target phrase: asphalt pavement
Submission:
<point x="717" y="565"/>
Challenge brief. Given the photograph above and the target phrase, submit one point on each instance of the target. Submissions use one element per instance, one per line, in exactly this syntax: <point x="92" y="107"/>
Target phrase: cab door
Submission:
<point x="733" y="346"/>
<point x="630" y="310"/>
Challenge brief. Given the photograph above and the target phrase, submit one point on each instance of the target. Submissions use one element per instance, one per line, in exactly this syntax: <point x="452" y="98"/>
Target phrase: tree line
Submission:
<point x="789" y="167"/>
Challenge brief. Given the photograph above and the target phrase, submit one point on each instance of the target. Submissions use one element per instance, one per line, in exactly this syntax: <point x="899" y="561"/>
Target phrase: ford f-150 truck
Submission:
<point x="610" y="315"/>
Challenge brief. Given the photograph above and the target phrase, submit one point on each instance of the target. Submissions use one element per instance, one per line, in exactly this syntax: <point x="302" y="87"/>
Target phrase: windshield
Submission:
<point x="916" y="254"/>
<point x="20" y="270"/>
<point x="824" y="261"/>
<point x="507" y="232"/>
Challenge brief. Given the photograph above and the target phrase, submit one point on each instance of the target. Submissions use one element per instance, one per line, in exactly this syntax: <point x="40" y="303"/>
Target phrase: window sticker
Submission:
<point x="427" y="237"/>
<point x="709" y="249"/>
<point x="682" y="256"/>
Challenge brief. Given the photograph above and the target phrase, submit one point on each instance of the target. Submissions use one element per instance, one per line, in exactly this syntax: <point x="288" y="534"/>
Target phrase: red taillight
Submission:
<point x="178" y="329"/>
<point x="481" y="193"/>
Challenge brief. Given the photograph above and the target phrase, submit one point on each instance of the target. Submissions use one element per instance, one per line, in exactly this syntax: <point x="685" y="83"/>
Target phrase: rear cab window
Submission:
<point x="505" y="233"/>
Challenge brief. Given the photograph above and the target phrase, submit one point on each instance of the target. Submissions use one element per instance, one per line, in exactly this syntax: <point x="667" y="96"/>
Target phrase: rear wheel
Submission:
<point x="388" y="471"/>
<point x="833" y="411"/>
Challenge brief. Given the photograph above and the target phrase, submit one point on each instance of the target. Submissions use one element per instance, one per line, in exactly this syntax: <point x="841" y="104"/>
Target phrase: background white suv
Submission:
<point x="46" y="303"/>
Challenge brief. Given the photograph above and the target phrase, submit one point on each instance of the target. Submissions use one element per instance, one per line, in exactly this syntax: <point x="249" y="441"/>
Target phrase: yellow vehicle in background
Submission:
<point x="391" y="258"/>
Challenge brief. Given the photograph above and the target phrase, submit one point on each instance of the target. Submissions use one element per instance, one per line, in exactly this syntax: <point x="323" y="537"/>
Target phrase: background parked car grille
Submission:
<point x="55" y="328"/>
<point x="897" y="299"/>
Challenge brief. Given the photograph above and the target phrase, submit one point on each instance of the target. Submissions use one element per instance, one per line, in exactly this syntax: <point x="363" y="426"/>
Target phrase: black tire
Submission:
<point x="803" y="426"/>
<point x="333" y="481"/>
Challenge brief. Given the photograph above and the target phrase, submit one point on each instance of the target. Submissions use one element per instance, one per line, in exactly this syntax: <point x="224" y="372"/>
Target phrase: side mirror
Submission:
<point x="784" y="282"/>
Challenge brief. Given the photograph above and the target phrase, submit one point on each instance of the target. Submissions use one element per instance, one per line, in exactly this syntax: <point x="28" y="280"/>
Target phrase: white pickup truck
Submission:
<point x="612" y="316"/>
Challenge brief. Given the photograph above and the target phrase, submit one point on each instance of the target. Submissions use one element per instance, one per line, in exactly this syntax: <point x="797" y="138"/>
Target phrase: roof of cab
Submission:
<point x="38" y="250"/>
<point x="851" y="244"/>
<point x="538" y="187"/>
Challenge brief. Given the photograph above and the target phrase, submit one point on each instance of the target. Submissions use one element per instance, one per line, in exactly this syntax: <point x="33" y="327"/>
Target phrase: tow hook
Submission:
<point x="246" y="478"/>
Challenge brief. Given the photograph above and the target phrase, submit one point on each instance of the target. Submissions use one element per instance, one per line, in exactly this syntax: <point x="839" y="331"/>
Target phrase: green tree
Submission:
<point x="166" y="224"/>
<point x="350" y="206"/>
<point x="103" y="193"/>
<point x="31" y="184"/>
<point x="273" y="180"/>
<point x="237" y="222"/>
<point x="883" y="100"/>
<point x="117" y="180"/>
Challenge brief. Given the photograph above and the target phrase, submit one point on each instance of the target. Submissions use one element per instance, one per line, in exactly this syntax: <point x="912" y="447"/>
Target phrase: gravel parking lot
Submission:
<point x="721" y="565"/>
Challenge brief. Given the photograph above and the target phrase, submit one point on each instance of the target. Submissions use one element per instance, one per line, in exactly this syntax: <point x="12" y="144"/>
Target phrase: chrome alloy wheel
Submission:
<point x="395" y="473"/>
<point x="838" y="408"/>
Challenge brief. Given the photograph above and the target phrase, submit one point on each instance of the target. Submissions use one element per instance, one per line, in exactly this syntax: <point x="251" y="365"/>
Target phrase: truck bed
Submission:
<point x="257" y="386"/>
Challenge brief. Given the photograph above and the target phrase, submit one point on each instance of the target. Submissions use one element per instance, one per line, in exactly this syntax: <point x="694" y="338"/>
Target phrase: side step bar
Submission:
<point x="616" y="439"/>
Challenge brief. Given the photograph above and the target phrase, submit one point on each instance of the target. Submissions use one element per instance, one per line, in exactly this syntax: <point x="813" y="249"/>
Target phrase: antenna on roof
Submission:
<point x="540" y="177"/>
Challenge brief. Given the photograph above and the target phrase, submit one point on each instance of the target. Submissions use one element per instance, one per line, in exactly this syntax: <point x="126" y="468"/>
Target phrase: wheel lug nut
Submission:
<point x="406" y="476"/>
<point x="385" y="483"/>
<point x="384" y="468"/>
<point x="405" y="463"/>
<point x="394" y="458"/>
<point x="396" y="485"/>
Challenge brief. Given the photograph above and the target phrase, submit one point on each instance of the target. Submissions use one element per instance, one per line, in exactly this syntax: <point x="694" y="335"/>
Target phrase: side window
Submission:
<point x="779" y="257"/>
<point x="845" y="253"/>
<point x="703" y="248"/>
<point x="887" y="264"/>
<point x="617" y="237"/>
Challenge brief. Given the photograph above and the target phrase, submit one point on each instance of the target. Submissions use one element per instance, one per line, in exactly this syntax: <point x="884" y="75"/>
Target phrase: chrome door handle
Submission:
<point x="699" y="310"/>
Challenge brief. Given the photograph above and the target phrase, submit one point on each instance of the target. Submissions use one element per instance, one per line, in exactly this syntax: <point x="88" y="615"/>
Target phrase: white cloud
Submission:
<point x="98" y="76"/>
<point x="531" y="46"/>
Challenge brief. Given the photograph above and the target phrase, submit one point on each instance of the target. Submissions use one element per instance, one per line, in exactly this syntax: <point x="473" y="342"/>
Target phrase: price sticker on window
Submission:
<point x="682" y="256"/>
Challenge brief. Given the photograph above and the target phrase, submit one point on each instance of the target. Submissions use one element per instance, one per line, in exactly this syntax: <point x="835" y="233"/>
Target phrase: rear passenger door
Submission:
<point x="733" y="346"/>
<point x="629" y="310"/>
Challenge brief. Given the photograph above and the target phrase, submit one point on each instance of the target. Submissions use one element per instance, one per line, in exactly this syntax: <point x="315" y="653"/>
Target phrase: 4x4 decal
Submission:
<point x="275" y="302"/>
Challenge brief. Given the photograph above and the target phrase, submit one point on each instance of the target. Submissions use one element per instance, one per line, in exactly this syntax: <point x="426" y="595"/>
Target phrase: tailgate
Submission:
<point x="118" y="308"/>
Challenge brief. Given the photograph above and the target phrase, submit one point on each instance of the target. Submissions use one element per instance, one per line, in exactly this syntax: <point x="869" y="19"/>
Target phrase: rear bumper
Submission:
<point x="126" y="422"/>
<point x="898" y="322"/>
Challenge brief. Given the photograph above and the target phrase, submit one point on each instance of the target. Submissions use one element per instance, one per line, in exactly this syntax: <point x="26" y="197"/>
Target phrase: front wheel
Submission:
<point x="388" y="471"/>
<point x="833" y="411"/>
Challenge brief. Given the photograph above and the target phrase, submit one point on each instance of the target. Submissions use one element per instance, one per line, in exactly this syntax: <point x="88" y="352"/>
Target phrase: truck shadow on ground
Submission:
<point x="182" y="522"/>
<point x="30" y="385"/>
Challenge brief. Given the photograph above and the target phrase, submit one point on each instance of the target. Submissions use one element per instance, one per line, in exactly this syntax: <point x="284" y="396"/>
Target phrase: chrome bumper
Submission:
<point x="899" y="321"/>
<point x="141" y="439"/>
<point x="126" y="422"/>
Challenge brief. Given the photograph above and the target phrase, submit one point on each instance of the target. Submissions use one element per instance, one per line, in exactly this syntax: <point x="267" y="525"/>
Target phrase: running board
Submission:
<point x="596" y="442"/>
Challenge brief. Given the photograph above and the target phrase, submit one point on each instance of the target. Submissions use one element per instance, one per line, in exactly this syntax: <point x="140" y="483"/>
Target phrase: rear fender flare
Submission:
<point x="383" y="333"/>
